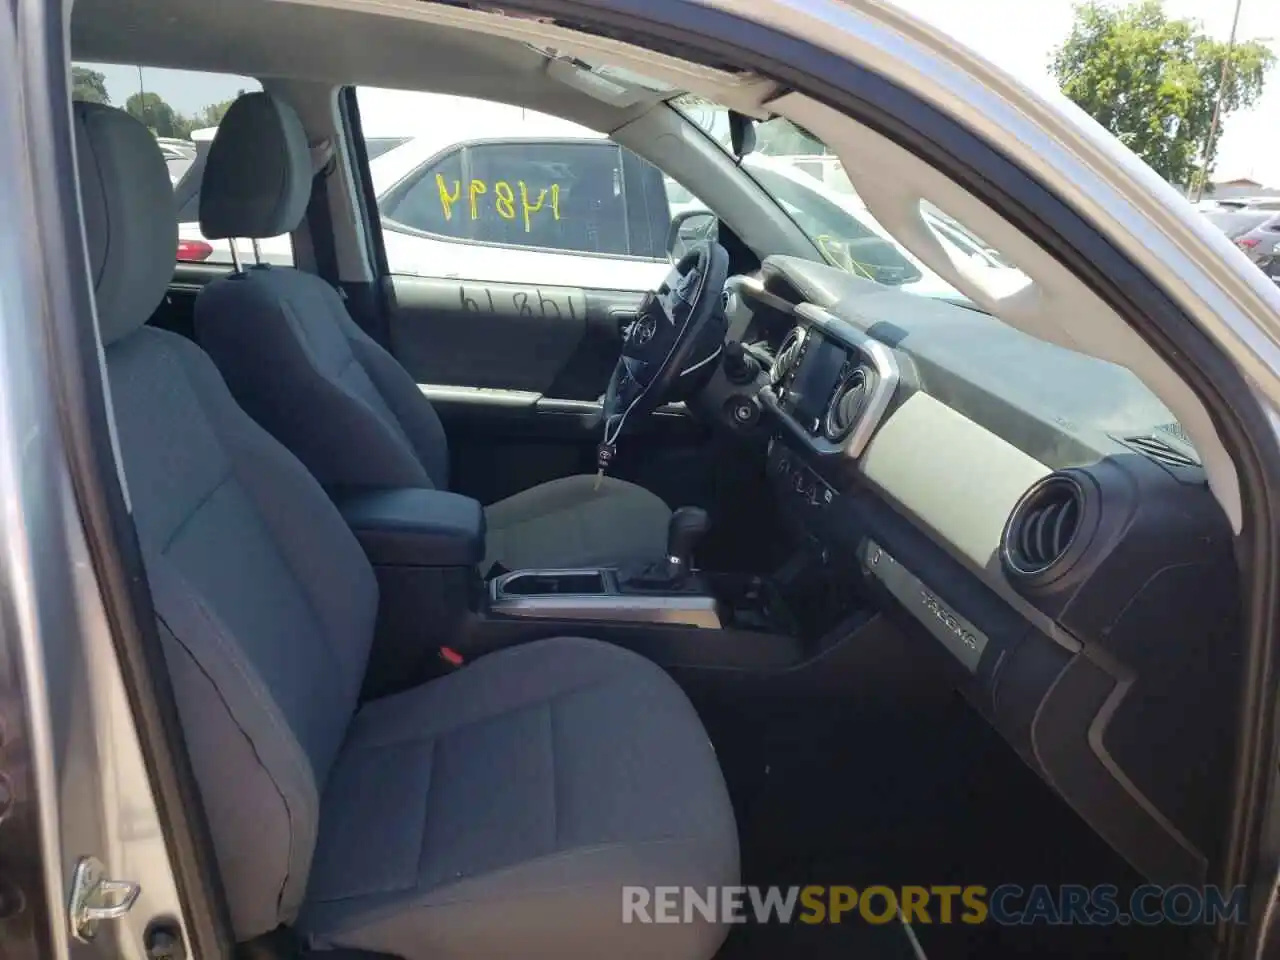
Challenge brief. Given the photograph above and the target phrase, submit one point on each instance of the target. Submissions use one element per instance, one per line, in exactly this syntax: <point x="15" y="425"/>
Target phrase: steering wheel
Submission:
<point x="666" y="342"/>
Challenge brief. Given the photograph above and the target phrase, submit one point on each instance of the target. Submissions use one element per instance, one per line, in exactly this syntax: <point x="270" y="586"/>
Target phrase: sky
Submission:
<point x="1003" y="31"/>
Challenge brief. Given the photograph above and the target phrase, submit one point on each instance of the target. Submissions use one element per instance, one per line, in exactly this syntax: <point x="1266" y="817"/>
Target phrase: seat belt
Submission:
<point x="320" y="226"/>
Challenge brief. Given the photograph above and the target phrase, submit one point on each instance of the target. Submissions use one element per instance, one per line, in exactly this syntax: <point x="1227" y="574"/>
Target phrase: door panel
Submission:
<point x="559" y="342"/>
<point x="506" y="443"/>
<point x="516" y="373"/>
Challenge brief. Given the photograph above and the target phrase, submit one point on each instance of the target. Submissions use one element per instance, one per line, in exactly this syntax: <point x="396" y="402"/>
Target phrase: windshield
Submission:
<point x="842" y="238"/>
<point x="806" y="179"/>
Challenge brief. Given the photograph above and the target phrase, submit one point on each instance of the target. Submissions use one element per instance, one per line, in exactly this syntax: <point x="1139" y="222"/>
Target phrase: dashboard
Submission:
<point x="1033" y="516"/>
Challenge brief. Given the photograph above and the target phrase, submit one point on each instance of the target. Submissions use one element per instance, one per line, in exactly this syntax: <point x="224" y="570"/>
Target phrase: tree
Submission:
<point x="160" y="118"/>
<point x="212" y="115"/>
<point x="88" y="85"/>
<point x="1153" y="81"/>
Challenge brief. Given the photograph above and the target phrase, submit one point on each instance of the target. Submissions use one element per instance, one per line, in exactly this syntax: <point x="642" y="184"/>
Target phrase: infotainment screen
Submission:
<point x="819" y="373"/>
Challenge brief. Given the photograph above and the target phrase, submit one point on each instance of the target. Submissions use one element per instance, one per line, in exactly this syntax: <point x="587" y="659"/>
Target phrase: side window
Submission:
<point x="422" y="203"/>
<point x="182" y="109"/>
<point x="558" y="196"/>
<point x="491" y="175"/>
<point x="576" y="197"/>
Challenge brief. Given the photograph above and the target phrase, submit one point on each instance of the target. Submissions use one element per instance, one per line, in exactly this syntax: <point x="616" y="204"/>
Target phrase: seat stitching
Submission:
<point x="250" y="679"/>
<point x="575" y="512"/>
<point x="555" y="774"/>
<point x="287" y="307"/>
<point x="267" y="706"/>
<point x="199" y="505"/>
<point x="590" y="499"/>
<point x="301" y="333"/>
<point x="426" y="805"/>
<point x="318" y="622"/>
<point x="253" y="747"/>
<point x="507" y="711"/>
<point x="548" y="858"/>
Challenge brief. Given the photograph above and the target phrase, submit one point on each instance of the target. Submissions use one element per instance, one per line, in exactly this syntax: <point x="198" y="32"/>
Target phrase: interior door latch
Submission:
<point x="95" y="898"/>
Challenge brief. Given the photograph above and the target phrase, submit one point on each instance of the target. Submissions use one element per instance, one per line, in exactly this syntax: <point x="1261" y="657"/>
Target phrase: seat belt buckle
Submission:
<point x="451" y="656"/>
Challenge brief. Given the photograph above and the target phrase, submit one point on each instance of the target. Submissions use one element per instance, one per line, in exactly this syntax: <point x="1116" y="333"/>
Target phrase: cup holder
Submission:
<point x="542" y="583"/>
<point x="593" y="594"/>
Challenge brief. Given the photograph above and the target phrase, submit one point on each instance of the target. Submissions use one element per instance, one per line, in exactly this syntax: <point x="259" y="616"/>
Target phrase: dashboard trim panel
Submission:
<point x="882" y="392"/>
<point x="1109" y="678"/>
<point x="754" y="289"/>
<point x="962" y="639"/>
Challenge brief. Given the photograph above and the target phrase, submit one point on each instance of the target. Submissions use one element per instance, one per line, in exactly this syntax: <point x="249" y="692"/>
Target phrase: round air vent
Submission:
<point x="1045" y="532"/>
<point x="788" y="355"/>
<point x="847" y="403"/>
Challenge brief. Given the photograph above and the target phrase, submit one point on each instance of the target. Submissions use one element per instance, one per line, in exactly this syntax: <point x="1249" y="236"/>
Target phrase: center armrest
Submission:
<point x="416" y="527"/>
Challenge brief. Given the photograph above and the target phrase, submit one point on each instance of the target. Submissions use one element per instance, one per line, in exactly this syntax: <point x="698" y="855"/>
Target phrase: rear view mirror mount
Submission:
<point x="742" y="134"/>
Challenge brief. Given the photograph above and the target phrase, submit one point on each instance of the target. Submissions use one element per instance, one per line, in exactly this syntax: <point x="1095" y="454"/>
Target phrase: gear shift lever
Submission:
<point x="686" y="528"/>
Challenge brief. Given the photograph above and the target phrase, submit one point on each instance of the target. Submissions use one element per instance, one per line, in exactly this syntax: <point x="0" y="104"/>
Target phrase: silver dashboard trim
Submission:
<point x="753" y="288"/>
<point x="960" y="636"/>
<point x="689" y="609"/>
<point x="526" y="400"/>
<point x="484" y="395"/>
<point x="692" y="611"/>
<point x="888" y="374"/>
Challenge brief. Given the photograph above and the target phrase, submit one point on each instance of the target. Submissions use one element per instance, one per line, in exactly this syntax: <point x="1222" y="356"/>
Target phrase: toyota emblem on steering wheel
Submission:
<point x="642" y="331"/>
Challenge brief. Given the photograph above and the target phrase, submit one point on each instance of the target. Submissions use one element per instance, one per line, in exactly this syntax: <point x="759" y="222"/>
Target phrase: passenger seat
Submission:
<point x="496" y="812"/>
<point x="300" y="366"/>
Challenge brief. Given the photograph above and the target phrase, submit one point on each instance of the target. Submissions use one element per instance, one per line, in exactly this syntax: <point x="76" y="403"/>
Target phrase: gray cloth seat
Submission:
<point x="479" y="859"/>
<point x="300" y="366"/>
<point x="497" y="811"/>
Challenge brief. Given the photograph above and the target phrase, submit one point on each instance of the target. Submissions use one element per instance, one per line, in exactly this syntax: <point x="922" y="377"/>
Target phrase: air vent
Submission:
<point x="847" y="403"/>
<point x="1043" y="527"/>
<point x="1175" y="430"/>
<point x="1161" y="451"/>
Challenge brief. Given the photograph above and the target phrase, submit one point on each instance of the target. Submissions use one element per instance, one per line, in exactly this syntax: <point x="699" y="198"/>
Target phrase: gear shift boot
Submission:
<point x="686" y="527"/>
<point x="675" y="573"/>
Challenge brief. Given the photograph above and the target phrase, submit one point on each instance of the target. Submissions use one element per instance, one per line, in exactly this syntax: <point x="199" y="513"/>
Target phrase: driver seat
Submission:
<point x="299" y="365"/>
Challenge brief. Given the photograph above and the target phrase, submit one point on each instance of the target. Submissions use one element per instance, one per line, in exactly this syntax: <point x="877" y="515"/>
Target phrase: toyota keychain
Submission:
<point x="604" y="457"/>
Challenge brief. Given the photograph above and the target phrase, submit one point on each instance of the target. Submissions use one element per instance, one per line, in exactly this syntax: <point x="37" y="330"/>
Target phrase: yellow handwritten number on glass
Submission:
<point x="447" y="200"/>
<point x="477" y="187"/>
<point x="506" y="202"/>
<point x="527" y="207"/>
<point x="504" y="199"/>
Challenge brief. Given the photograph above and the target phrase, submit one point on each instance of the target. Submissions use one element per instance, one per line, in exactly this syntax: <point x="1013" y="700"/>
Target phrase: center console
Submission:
<point x="436" y="612"/>
<point x="601" y="594"/>
<point x="666" y="591"/>
<point x="424" y="546"/>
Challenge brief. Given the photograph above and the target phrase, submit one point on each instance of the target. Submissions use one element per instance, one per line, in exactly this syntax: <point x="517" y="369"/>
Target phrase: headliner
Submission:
<point x="400" y="45"/>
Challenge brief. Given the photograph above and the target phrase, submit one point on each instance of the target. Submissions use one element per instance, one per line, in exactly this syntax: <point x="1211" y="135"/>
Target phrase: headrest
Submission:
<point x="257" y="177"/>
<point x="131" y="224"/>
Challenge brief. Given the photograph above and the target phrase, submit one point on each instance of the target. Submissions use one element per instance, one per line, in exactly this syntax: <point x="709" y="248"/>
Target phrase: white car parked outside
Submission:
<point x="498" y="195"/>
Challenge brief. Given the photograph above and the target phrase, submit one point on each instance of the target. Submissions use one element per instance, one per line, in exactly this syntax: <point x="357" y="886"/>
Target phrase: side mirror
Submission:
<point x="687" y="228"/>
